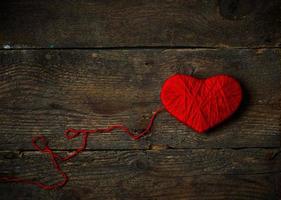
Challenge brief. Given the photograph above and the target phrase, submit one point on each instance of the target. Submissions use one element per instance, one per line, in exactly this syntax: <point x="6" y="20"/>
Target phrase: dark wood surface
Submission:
<point x="88" y="64"/>
<point x="154" y="174"/>
<point x="127" y="23"/>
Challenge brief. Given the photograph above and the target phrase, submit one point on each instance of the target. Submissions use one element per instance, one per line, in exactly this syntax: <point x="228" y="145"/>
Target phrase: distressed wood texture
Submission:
<point x="49" y="91"/>
<point x="93" y="63"/>
<point x="153" y="174"/>
<point x="119" y="23"/>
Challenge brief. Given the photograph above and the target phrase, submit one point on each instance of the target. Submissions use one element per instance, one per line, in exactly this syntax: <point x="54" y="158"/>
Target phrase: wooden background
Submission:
<point x="87" y="64"/>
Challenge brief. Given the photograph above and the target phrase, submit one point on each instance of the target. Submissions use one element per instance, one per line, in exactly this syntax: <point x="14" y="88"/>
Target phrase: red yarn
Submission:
<point x="201" y="103"/>
<point x="70" y="134"/>
<point x="198" y="103"/>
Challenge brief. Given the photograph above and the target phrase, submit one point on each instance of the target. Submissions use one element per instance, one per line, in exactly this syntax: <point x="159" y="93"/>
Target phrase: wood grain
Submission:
<point x="125" y="23"/>
<point x="154" y="174"/>
<point x="89" y="64"/>
<point x="209" y="187"/>
<point x="49" y="91"/>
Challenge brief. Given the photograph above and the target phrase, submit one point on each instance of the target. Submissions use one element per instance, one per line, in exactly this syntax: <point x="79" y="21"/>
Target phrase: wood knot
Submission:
<point x="158" y="147"/>
<point x="141" y="164"/>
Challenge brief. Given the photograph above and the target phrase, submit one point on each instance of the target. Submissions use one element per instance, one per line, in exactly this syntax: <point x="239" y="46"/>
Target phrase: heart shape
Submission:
<point x="201" y="103"/>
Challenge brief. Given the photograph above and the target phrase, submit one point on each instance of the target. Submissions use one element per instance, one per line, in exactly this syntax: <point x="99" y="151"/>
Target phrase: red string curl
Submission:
<point x="70" y="134"/>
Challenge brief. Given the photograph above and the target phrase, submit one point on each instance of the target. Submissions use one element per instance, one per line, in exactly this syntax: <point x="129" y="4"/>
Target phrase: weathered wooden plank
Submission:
<point x="202" y="187"/>
<point x="49" y="91"/>
<point x="153" y="174"/>
<point x="85" y="23"/>
<point x="258" y="126"/>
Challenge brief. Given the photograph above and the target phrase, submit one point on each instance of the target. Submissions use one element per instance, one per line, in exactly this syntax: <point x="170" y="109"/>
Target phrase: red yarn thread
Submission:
<point x="200" y="104"/>
<point x="70" y="134"/>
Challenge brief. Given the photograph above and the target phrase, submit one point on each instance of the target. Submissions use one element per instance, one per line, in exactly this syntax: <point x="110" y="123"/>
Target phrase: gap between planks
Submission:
<point x="151" y="148"/>
<point x="139" y="48"/>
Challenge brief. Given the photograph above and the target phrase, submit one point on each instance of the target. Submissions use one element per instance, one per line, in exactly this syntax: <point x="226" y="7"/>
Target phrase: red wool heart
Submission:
<point x="198" y="103"/>
<point x="201" y="103"/>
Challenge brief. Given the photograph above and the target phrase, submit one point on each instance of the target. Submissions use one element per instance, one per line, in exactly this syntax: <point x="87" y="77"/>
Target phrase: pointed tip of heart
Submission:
<point x="200" y="130"/>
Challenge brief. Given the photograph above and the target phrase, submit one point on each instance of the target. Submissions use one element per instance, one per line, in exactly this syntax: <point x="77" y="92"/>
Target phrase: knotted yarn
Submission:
<point x="70" y="134"/>
<point x="198" y="103"/>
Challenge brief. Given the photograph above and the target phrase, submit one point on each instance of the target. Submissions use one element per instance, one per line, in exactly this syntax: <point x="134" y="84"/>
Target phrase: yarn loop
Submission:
<point x="199" y="104"/>
<point x="40" y="143"/>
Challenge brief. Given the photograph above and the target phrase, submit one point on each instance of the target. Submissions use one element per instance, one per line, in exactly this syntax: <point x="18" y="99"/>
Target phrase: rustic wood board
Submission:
<point x="46" y="91"/>
<point x="49" y="91"/>
<point x="203" y="187"/>
<point x="88" y="64"/>
<point x="126" y="23"/>
<point x="153" y="174"/>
